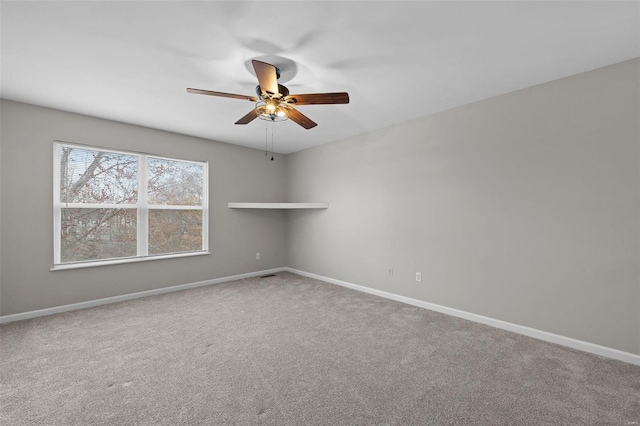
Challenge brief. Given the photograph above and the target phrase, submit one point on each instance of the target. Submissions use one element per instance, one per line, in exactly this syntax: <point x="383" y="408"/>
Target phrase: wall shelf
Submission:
<point x="235" y="205"/>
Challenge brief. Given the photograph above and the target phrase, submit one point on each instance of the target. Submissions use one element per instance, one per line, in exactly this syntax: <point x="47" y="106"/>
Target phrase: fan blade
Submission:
<point x="221" y="94"/>
<point x="318" y="98"/>
<point x="252" y="115"/>
<point x="301" y="119"/>
<point x="267" y="76"/>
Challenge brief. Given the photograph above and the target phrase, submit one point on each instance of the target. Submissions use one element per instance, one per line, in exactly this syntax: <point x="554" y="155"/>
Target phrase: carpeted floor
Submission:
<point x="289" y="350"/>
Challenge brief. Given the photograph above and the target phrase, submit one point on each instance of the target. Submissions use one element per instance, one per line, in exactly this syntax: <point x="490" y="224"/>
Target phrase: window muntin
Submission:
<point x="112" y="205"/>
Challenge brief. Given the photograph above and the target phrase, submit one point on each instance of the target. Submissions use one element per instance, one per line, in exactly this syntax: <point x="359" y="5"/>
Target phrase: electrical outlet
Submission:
<point x="419" y="276"/>
<point x="257" y="256"/>
<point x="390" y="273"/>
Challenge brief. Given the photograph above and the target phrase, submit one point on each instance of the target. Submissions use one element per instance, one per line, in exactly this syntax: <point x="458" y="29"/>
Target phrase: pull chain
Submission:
<point x="266" y="140"/>
<point x="271" y="140"/>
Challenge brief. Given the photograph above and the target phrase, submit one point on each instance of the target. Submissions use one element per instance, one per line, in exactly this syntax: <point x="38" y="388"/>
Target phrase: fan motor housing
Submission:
<point x="282" y="89"/>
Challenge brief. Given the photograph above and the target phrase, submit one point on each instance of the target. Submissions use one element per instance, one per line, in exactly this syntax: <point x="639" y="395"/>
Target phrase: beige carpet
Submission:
<point x="289" y="350"/>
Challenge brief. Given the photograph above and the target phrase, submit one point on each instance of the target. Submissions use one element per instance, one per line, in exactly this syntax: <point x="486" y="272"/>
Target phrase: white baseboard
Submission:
<point x="114" y="299"/>
<point x="520" y="329"/>
<point x="527" y="331"/>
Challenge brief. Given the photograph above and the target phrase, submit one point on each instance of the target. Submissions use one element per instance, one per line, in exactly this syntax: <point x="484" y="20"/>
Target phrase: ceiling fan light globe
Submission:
<point x="271" y="111"/>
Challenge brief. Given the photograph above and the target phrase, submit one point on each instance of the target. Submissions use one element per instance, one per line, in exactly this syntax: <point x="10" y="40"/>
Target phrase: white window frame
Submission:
<point x="142" y="208"/>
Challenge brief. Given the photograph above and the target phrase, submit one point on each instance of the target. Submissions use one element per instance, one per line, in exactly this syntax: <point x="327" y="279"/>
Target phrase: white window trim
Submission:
<point x="141" y="207"/>
<point x="105" y="262"/>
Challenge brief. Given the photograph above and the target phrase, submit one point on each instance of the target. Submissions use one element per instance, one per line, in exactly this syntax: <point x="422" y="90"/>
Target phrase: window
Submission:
<point x="113" y="205"/>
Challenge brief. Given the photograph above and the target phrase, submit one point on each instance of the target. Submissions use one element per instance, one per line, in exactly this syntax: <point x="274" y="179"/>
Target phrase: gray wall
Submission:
<point x="235" y="174"/>
<point x="523" y="207"/>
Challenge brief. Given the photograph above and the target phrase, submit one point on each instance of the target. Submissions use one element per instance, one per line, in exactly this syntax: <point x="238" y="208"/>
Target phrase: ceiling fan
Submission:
<point x="274" y="103"/>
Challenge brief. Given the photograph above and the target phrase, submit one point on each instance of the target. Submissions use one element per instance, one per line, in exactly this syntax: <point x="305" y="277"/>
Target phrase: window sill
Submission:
<point x="91" y="264"/>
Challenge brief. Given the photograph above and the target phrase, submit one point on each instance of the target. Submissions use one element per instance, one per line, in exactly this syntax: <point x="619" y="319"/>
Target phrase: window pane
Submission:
<point x="94" y="234"/>
<point x="174" y="231"/>
<point x="92" y="176"/>
<point x="173" y="182"/>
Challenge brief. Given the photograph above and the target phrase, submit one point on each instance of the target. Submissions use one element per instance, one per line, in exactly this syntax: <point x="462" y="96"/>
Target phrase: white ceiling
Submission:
<point x="132" y="61"/>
